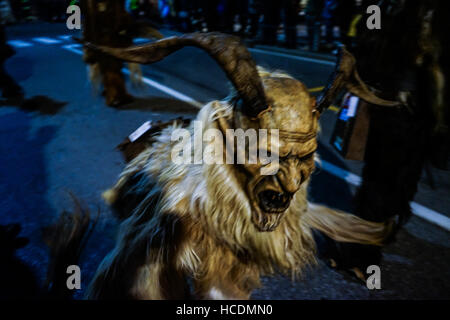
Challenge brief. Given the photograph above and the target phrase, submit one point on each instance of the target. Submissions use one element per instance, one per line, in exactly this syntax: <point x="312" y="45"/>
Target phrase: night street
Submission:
<point x="71" y="148"/>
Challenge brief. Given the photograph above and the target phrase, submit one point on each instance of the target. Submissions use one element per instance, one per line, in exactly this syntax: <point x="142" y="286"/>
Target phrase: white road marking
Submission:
<point x="430" y="215"/>
<point x="73" y="48"/>
<point x="417" y="209"/>
<point x="19" y="44"/>
<point x="169" y="91"/>
<point x="290" y="56"/>
<point x="65" y="37"/>
<point x="46" y="40"/>
<point x="351" y="178"/>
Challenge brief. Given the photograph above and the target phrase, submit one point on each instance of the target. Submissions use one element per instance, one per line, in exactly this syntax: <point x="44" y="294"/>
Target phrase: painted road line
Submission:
<point x="65" y="37"/>
<point x="73" y="48"/>
<point x="417" y="209"/>
<point x="46" y="40"/>
<point x="150" y="82"/>
<point x="316" y="89"/>
<point x="351" y="178"/>
<point x="19" y="44"/>
<point x="430" y="215"/>
<point x="290" y="56"/>
<point x="333" y="108"/>
<point x="169" y="91"/>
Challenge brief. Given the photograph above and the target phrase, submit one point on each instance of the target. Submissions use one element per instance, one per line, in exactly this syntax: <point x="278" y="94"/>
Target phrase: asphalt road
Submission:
<point x="45" y="156"/>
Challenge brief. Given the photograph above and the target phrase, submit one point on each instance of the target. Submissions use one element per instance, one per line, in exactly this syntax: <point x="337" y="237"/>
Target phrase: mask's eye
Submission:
<point x="307" y="157"/>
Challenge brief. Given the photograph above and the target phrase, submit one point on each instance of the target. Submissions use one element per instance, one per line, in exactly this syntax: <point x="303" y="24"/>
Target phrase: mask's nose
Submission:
<point x="290" y="176"/>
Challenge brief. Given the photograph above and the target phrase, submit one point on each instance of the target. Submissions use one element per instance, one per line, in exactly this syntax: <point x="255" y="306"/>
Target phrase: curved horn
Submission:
<point x="228" y="51"/>
<point x="346" y="75"/>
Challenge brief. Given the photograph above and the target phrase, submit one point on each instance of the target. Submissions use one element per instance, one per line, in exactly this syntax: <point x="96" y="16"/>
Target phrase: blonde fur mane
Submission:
<point x="210" y="197"/>
<point x="219" y="246"/>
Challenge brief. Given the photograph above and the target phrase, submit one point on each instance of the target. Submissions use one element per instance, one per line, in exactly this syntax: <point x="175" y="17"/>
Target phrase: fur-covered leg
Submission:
<point x="66" y="239"/>
<point x="114" y="83"/>
<point x="135" y="74"/>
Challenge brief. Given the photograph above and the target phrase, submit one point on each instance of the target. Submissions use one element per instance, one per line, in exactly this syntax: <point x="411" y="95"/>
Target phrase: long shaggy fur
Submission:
<point x="95" y="75"/>
<point x="66" y="239"/>
<point x="193" y="221"/>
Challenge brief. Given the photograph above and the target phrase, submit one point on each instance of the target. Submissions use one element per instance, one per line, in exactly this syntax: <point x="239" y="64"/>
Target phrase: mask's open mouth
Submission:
<point x="274" y="202"/>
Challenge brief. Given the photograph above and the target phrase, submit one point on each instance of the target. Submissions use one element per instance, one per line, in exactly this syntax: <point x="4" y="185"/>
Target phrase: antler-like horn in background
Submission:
<point x="346" y="76"/>
<point x="228" y="51"/>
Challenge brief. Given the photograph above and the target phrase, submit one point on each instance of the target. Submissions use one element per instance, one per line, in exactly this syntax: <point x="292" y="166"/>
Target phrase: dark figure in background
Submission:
<point x="189" y="14"/>
<point x="213" y="9"/>
<point x="255" y="9"/>
<point x="338" y="13"/>
<point x="52" y="10"/>
<point x="329" y="18"/>
<point x="107" y="23"/>
<point x="22" y="10"/>
<point x="344" y="13"/>
<point x="313" y="13"/>
<point x="9" y="88"/>
<point x="406" y="60"/>
<point x="235" y="8"/>
<point x="272" y="19"/>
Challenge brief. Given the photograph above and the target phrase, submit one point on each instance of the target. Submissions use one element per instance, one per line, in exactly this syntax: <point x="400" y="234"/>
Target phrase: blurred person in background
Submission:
<point x="338" y="13"/>
<point x="132" y="6"/>
<point x="52" y="10"/>
<point x="195" y="15"/>
<point x="329" y="17"/>
<point x="255" y="10"/>
<point x="168" y="10"/>
<point x="313" y="12"/>
<point x="23" y="9"/>
<point x="406" y="60"/>
<point x="189" y="15"/>
<point x="213" y="10"/>
<point x="152" y="12"/>
<point x="106" y="22"/>
<point x="273" y="12"/>
<point x="233" y="9"/>
<point x="6" y="15"/>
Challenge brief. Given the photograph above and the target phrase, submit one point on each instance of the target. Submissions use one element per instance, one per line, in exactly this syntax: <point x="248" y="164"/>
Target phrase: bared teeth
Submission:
<point x="273" y="201"/>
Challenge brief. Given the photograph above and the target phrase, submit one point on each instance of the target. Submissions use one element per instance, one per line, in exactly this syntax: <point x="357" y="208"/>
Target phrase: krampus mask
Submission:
<point x="268" y="103"/>
<point x="221" y="224"/>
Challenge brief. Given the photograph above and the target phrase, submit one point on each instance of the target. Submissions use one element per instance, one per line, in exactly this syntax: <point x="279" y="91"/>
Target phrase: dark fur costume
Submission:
<point x="405" y="61"/>
<point x="107" y="23"/>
